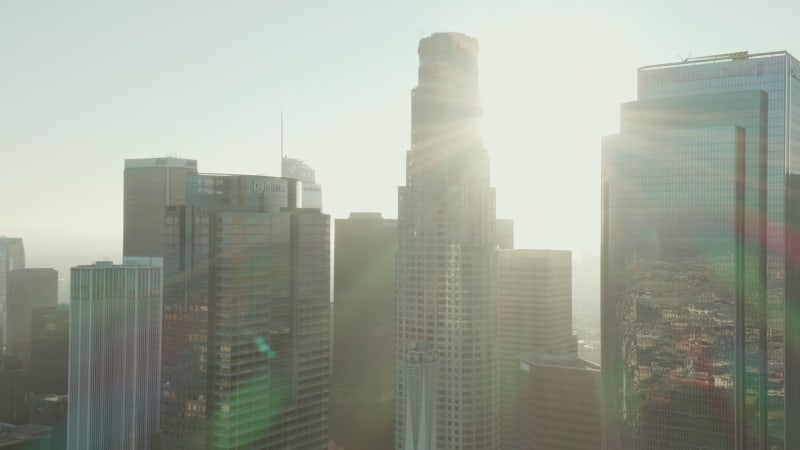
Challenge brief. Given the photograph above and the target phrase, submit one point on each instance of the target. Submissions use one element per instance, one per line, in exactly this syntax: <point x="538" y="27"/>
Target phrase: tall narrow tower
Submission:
<point x="12" y="256"/>
<point x="446" y="260"/>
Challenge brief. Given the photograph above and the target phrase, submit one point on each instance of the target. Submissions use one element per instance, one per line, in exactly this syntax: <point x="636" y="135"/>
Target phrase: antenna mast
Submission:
<point x="282" y="156"/>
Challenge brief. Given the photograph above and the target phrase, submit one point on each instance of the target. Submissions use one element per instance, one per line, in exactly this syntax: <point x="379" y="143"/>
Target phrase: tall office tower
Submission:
<point x="151" y="184"/>
<point x="534" y="314"/>
<point x="27" y="289"/>
<point x="700" y="281"/>
<point x="12" y="256"/>
<point x="299" y="170"/>
<point x="557" y="403"/>
<point x="49" y="361"/>
<point x="115" y="338"/>
<point x="446" y="259"/>
<point x="246" y="317"/>
<point x="362" y="406"/>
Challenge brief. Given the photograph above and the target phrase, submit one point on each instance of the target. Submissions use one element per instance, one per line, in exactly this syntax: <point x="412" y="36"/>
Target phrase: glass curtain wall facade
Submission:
<point x="699" y="261"/>
<point x="246" y="317"/>
<point x="115" y="338"/>
<point x="446" y="261"/>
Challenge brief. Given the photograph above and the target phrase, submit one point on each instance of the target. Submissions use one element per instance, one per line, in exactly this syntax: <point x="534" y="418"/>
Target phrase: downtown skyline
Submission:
<point x="246" y="300"/>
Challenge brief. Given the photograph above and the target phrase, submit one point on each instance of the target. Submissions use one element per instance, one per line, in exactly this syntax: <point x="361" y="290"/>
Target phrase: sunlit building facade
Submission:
<point x="446" y="260"/>
<point x="246" y="317"/>
<point x="700" y="274"/>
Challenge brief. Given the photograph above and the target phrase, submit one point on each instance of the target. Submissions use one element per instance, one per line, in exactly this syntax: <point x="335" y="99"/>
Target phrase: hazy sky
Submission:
<point x="84" y="85"/>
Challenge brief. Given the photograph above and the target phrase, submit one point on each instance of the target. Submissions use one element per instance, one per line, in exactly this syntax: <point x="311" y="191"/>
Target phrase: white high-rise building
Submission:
<point x="446" y="261"/>
<point x="114" y="354"/>
<point x="312" y="192"/>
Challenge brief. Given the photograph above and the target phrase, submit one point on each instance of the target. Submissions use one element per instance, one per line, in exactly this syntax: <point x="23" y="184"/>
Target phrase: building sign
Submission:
<point x="268" y="186"/>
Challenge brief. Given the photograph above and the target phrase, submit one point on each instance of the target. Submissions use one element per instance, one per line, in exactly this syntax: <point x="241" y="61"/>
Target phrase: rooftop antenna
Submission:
<point x="282" y="155"/>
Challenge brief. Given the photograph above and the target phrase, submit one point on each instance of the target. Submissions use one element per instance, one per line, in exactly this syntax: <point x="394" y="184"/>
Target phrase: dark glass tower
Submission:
<point x="362" y="409"/>
<point x="27" y="289"/>
<point x="699" y="263"/>
<point x="246" y="317"/>
<point x="445" y="323"/>
<point x="50" y="349"/>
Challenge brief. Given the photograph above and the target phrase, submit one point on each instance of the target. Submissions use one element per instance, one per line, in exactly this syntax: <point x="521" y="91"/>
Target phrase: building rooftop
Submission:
<point x="128" y="261"/>
<point x="15" y="434"/>
<point x="732" y="56"/>
<point x="565" y="361"/>
<point x="166" y="161"/>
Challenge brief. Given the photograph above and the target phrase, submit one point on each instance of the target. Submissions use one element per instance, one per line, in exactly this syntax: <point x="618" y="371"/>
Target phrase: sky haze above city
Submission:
<point x="85" y="86"/>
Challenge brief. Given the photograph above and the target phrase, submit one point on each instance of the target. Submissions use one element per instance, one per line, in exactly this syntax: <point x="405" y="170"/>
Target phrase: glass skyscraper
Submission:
<point x="114" y="352"/>
<point x="446" y="312"/>
<point x="700" y="285"/>
<point x="246" y="317"/>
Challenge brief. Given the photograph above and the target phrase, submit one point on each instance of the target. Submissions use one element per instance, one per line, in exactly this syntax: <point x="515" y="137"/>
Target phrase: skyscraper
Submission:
<point x="12" y="256"/>
<point x="151" y="184"/>
<point x="699" y="257"/>
<point x="362" y="406"/>
<point x="115" y="338"/>
<point x="246" y="317"/>
<point x="299" y="170"/>
<point x="27" y="289"/>
<point x="534" y="315"/>
<point x="446" y="260"/>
